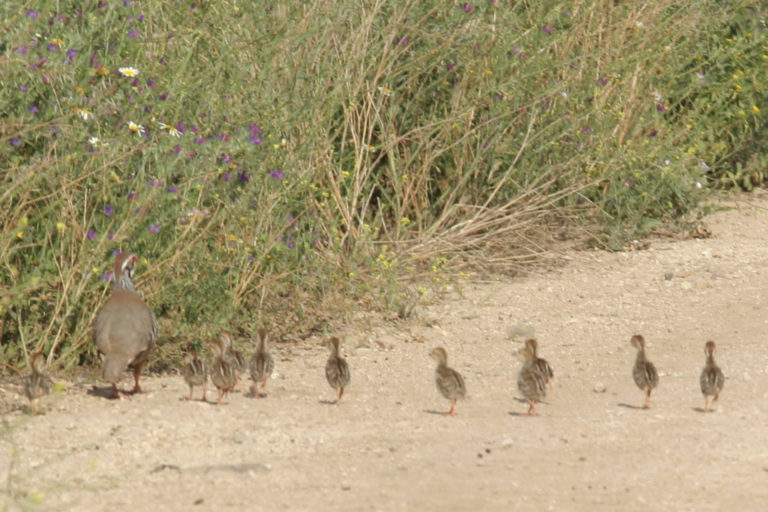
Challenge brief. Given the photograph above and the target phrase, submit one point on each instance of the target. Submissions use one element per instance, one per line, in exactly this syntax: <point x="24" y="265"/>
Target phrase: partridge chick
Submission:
<point x="125" y="328"/>
<point x="645" y="374"/>
<point x="541" y="363"/>
<point x="234" y="356"/>
<point x="223" y="373"/>
<point x="195" y="373"/>
<point x="712" y="378"/>
<point x="532" y="379"/>
<point x="37" y="383"/>
<point x="336" y="369"/>
<point x="261" y="364"/>
<point x="449" y="382"/>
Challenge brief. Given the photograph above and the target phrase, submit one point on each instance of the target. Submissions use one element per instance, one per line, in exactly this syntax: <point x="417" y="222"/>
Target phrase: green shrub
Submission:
<point x="282" y="165"/>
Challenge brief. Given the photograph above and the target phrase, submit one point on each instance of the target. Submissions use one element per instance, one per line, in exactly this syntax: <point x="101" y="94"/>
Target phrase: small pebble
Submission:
<point x="599" y="387"/>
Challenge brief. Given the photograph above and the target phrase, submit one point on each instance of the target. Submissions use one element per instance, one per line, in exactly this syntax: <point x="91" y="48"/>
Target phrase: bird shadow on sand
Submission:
<point x="630" y="406"/>
<point x="106" y="392"/>
<point x="437" y="413"/>
<point x="518" y="414"/>
<point x="327" y="402"/>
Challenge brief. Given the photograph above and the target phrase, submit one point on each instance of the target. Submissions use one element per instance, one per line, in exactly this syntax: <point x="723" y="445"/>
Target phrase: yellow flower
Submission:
<point x="129" y="72"/>
<point x="79" y="90"/>
<point x="60" y="226"/>
<point x="19" y="234"/>
<point x="102" y="71"/>
<point x="58" y="42"/>
<point x="386" y="91"/>
<point x="755" y="108"/>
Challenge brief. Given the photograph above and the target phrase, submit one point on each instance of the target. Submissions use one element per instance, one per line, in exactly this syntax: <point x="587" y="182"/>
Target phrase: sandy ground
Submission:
<point x="385" y="448"/>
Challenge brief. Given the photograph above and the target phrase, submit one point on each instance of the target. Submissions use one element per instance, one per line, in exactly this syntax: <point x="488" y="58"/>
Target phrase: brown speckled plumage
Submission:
<point x="261" y="364"/>
<point x="37" y="383"/>
<point x="449" y="382"/>
<point x="645" y="374"/>
<point x="532" y="380"/>
<point x="336" y="369"/>
<point x="712" y="378"/>
<point x="542" y="364"/>
<point x="195" y="373"/>
<point x="223" y="373"/>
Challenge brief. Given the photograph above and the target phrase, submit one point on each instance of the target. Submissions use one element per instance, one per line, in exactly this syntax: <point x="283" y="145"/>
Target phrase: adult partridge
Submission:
<point x="125" y="328"/>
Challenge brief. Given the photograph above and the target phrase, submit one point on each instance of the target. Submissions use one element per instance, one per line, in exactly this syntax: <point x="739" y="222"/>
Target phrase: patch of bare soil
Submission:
<point x="386" y="448"/>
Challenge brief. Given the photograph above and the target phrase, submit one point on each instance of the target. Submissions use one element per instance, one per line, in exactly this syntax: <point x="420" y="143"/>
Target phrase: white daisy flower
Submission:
<point x="96" y="142"/>
<point x="85" y="114"/>
<point x="130" y="72"/>
<point x="174" y="132"/>
<point x="136" y="128"/>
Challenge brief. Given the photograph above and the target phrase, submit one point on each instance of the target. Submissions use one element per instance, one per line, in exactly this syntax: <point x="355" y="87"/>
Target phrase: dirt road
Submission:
<point x="385" y="448"/>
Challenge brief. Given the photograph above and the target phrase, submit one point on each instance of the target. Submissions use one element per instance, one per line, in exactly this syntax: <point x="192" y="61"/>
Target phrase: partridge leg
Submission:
<point x="647" y="403"/>
<point x="136" y="387"/>
<point x="338" y="395"/>
<point x="451" y="412"/>
<point x="706" y="403"/>
<point x="203" y="399"/>
<point x="117" y="393"/>
<point x="532" y="409"/>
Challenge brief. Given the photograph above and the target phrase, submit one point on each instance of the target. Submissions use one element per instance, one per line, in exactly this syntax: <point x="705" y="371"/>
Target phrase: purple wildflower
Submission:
<point x="176" y="149"/>
<point x="277" y="174"/>
<point x="108" y="210"/>
<point x="71" y="54"/>
<point x="22" y="49"/>
<point x="106" y="276"/>
<point x="255" y="140"/>
<point x="91" y="235"/>
<point x="467" y="7"/>
<point x="151" y="83"/>
<point x="586" y="129"/>
<point x="180" y="127"/>
<point x="131" y="195"/>
<point x="15" y="141"/>
<point x="154" y="228"/>
<point x="134" y="34"/>
<point x="253" y="128"/>
<point x="226" y="159"/>
<point x="173" y="189"/>
<point x="547" y="29"/>
<point x="403" y="42"/>
<point x="32" y="14"/>
<point x="163" y="96"/>
<point x="659" y="107"/>
<point x="34" y="109"/>
<point x="199" y="140"/>
<point x="52" y="47"/>
<point x="23" y="88"/>
<point x="226" y="176"/>
<point x="629" y="183"/>
<point x="243" y="177"/>
<point x="653" y="133"/>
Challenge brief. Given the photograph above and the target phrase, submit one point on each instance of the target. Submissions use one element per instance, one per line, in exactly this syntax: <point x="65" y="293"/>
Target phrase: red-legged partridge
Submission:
<point x="37" y="383"/>
<point x="336" y="369"/>
<point x="532" y="379"/>
<point x="261" y="364"/>
<point x="223" y="373"/>
<point x="712" y="378"/>
<point x="125" y="328"/>
<point x="195" y="373"/>
<point x="645" y="374"/>
<point x="449" y="382"/>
